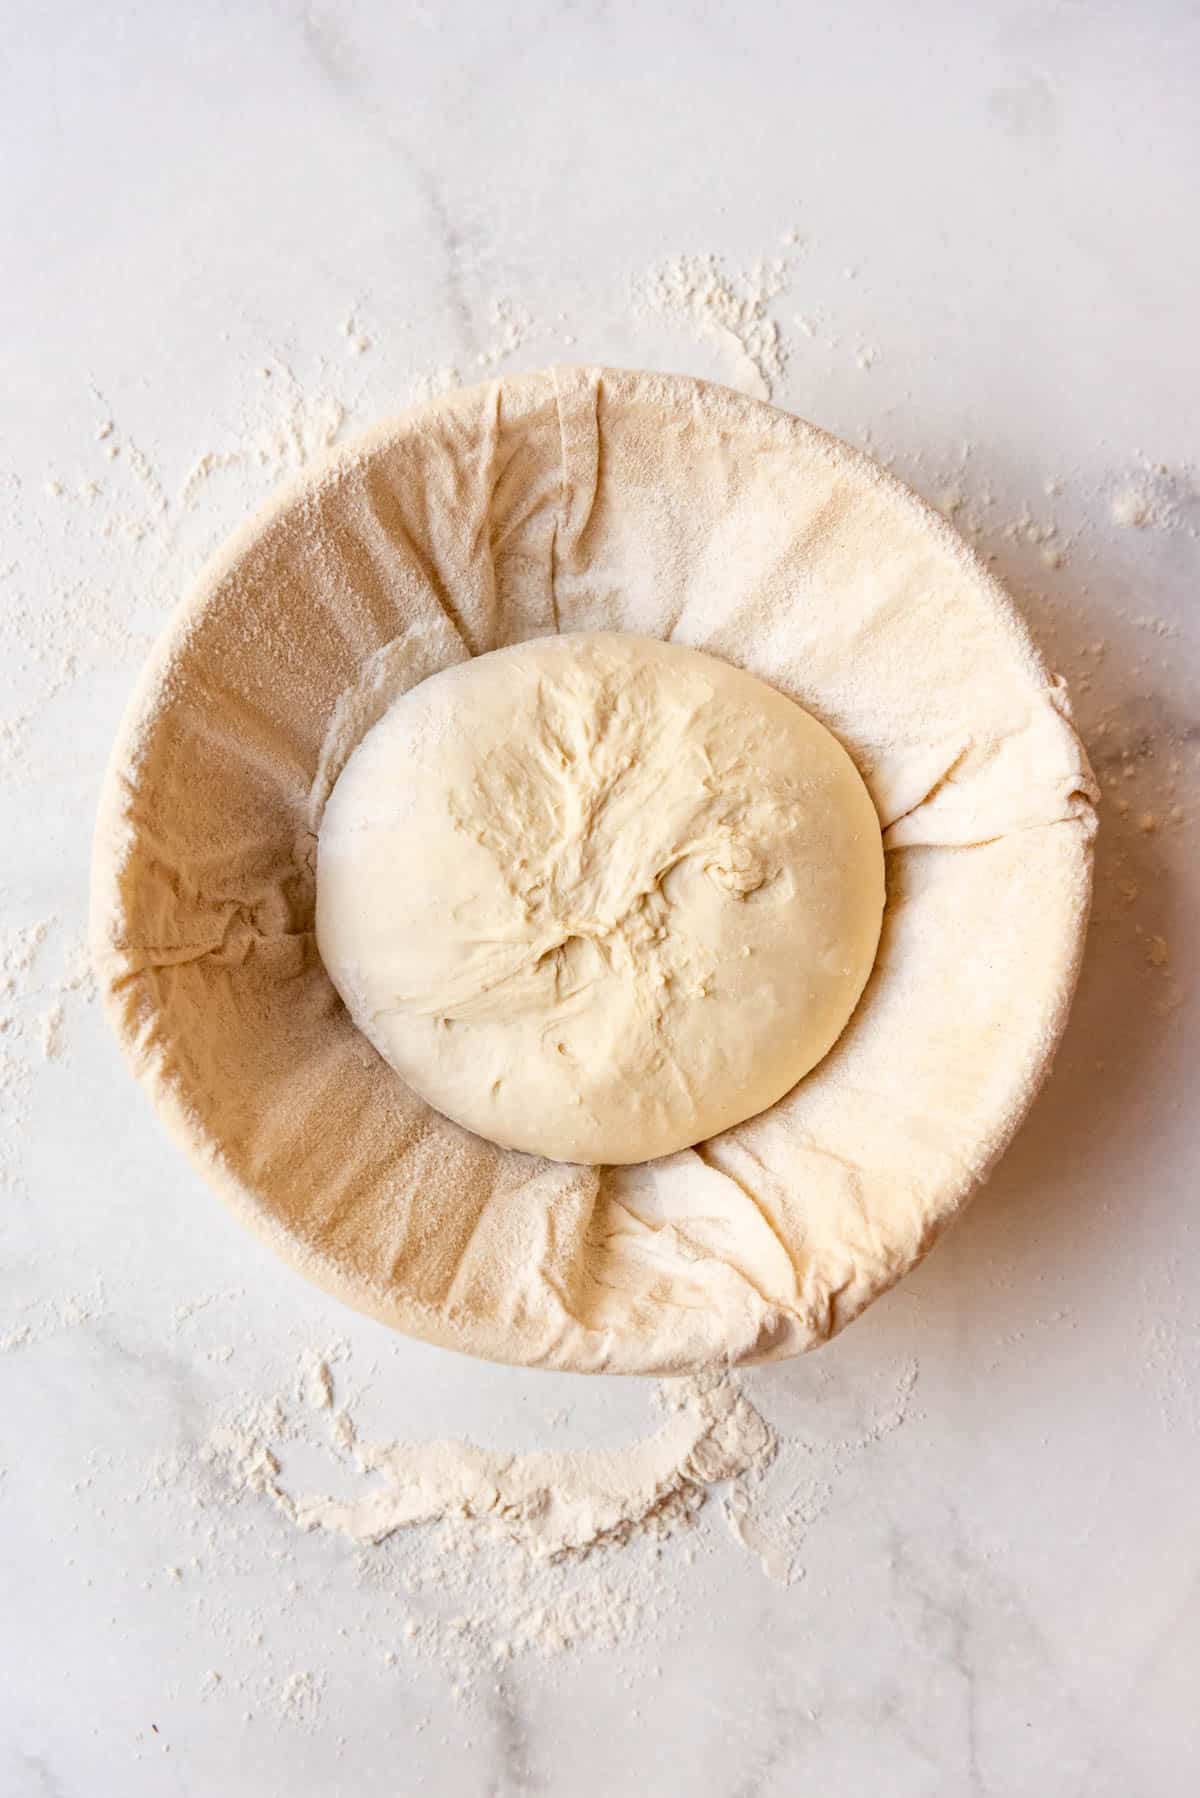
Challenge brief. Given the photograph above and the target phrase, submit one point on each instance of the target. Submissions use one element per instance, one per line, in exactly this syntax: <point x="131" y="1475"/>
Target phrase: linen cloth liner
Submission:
<point x="594" y="499"/>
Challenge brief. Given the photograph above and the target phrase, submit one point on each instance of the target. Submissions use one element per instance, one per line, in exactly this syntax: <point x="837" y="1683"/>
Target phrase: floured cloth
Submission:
<point x="594" y="500"/>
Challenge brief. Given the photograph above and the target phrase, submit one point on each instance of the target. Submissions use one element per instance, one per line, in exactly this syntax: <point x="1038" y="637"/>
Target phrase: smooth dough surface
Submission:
<point x="599" y="897"/>
<point x="571" y="501"/>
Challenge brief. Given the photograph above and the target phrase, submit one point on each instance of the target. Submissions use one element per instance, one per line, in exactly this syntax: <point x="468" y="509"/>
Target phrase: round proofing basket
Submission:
<point x="583" y="500"/>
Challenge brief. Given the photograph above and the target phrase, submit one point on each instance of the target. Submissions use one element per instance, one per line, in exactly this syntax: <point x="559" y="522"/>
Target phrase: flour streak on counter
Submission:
<point x="492" y="1556"/>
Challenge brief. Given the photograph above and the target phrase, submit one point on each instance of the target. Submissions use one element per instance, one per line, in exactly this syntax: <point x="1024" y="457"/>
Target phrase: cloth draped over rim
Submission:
<point x="587" y="499"/>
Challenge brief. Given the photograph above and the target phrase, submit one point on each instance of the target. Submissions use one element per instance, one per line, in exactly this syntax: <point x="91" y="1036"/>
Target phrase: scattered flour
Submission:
<point x="357" y="340"/>
<point x="491" y="1557"/>
<point x="301" y="1696"/>
<point x="19" y="946"/>
<point x="1142" y="745"/>
<point x="37" y="1004"/>
<point x="553" y="1504"/>
<point x="318" y="1386"/>
<point x="54" y="1031"/>
<point x="1130" y="508"/>
<point x="288" y="429"/>
<point x="512" y="325"/>
<point x="1158" y="497"/>
<point x="192" y="1308"/>
<point x="802" y="1483"/>
<point x="33" y="1323"/>
<point x="732" y="309"/>
<point x="423" y="389"/>
<point x="545" y="1505"/>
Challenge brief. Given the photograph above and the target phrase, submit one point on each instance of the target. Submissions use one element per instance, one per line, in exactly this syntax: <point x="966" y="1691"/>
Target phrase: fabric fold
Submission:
<point x="594" y="499"/>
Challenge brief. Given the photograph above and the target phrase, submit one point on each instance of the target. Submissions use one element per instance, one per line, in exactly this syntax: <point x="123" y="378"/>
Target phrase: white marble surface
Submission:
<point x="1000" y="1590"/>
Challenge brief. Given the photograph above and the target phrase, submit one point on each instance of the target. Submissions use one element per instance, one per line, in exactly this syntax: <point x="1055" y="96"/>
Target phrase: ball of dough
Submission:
<point x="599" y="897"/>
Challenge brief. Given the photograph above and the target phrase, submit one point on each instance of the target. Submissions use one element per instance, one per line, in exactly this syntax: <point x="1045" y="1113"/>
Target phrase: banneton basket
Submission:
<point x="585" y="499"/>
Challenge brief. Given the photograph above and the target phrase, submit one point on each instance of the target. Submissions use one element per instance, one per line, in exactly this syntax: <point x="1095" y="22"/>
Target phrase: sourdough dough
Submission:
<point x="599" y="897"/>
<point x="592" y="500"/>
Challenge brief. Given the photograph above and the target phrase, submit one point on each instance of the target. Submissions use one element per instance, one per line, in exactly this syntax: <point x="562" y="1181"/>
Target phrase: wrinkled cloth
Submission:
<point x="589" y="500"/>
